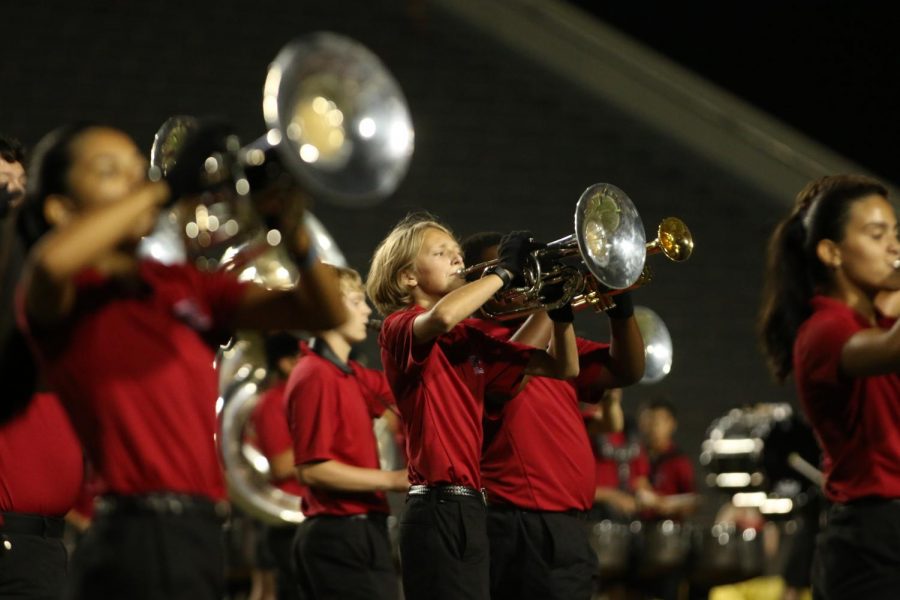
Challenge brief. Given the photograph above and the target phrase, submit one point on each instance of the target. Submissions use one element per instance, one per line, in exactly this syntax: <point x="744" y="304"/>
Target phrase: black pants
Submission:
<point x="150" y="556"/>
<point x="34" y="567"/>
<point x="278" y="545"/>
<point x="539" y="556"/>
<point x="858" y="553"/>
<point x="444" y="548"/>
<point x="345" y="558"/>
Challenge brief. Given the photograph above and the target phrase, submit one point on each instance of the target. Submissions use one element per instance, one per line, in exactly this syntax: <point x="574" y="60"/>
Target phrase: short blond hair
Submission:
<point x="349" y="279"/>
<point x="393" y="255"/>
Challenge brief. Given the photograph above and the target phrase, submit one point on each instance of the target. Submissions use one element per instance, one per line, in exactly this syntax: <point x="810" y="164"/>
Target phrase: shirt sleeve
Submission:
<point x="270" y="421"/>
<point x="593" y="358"/>
<point x="396" y="338"/>
<point x="817" y="351"/>
<point x="375" y="389"/>
<point x="315" y="415"/>
<point x="223" y="293"/>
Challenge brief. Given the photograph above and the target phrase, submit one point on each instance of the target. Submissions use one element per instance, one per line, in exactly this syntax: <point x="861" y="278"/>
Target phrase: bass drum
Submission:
<point x="726" y="553"/>
<point x="662" y="548"/>
<point x="611" y="542"/>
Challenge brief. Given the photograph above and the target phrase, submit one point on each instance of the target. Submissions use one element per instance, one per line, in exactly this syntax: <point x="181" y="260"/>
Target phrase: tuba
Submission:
<point x="605" y="256"/>
<point x="338" y="124"/>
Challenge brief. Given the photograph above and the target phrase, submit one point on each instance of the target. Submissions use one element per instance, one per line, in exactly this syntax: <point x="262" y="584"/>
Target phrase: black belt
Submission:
<point x="373" y="516"/>
<point x="581" y="515"/>
<point x="25" y="524"/>
<point x="445" y="492"/>
<point x="162" y="503"/>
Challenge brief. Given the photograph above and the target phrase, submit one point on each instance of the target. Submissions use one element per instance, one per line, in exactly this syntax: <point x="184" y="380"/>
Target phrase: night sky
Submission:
<point x="829" y="69"/>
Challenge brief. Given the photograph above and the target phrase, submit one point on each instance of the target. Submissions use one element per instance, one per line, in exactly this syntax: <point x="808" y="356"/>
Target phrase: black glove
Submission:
<point x="624" y="307"/>
<point x="513" y="253"/>
<point x="187" y="175"/>
<point x="563" y="314"/>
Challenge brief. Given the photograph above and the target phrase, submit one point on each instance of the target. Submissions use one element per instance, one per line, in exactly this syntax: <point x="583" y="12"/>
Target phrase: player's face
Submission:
<point x="358" y="312"/>
<point x="438" y="263"/>
<point x="12" y="176"/>
<point x="106" y="167"/>
<point x="870" y="250"/>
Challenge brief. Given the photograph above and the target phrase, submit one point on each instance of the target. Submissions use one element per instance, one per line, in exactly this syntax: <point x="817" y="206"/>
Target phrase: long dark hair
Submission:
<point x="48" y="172"/>
<point x="793" y="270"/>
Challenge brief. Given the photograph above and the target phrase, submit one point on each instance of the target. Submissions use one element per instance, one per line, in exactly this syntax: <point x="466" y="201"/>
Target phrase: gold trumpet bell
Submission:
<point x="674" y="239"/>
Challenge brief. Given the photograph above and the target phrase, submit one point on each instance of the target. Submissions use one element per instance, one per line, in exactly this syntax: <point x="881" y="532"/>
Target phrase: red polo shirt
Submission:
<point x="672" y="473"/>
<point x="440" y="387"/>
<point x="273" y="434"/>
<point x="41" y="463"/>
<point x="331" y="407"/>
<point x="537" y="454"/>
<point x="133" y="364"/>
<point x="856" y="419"/>
<point x="619" y="461"/>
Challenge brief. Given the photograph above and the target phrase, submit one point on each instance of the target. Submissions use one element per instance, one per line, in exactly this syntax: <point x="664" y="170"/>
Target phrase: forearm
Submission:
<point x="315" y="304"/>
<point x="612" y="417"/>
<point x="281" y="466"/>
<point x="626" y="352"/>
<point x="70" y="248"/>
<point x="535" y="331"/>
<point x="454" y="307"/>
<point x="340" y="477"/>
<point x="872" y="352"/>
<point x="560" y="361"/>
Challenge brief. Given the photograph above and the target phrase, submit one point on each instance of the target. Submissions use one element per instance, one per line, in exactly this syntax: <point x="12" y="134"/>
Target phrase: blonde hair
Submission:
<point x="349" y="279"/>
<point x="394" y="254"/>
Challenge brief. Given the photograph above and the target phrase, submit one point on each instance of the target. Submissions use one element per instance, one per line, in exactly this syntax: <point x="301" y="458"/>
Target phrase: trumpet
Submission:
<point x="605" y="256"/>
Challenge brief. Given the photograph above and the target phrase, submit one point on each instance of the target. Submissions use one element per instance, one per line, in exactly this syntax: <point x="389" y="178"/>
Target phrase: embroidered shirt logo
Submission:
<point x="190" y="313"/>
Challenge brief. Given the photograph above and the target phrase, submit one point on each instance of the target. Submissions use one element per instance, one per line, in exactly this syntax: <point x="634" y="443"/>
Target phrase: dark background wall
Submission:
<point x="500" y="144"/>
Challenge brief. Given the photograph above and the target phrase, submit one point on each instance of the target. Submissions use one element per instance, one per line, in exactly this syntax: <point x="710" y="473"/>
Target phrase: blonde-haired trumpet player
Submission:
<point x="441" y="367"/>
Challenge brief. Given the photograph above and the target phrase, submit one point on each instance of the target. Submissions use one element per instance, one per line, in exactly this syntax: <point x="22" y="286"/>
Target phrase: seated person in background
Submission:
<point x="273" y="437"/>
<point x="671" y="470"/>
<point x="342" y="549"/>
<point x="621" y="471"/>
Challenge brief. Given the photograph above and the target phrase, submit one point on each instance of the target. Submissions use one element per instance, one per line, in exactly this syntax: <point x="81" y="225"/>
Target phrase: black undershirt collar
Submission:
<point x="321" y="347"/>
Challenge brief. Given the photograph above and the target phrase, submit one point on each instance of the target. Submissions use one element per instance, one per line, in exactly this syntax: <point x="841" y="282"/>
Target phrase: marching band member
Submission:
<point x="342" y="549"/>
<point x="41" y="462"/>
<point x="440" y="367"/>
<point x="827" y="262"/>
<point x="671" y="470"/>
<point x="129" y="347"/>
<point x="537" y="465"/>
<point x="273" y="438"/>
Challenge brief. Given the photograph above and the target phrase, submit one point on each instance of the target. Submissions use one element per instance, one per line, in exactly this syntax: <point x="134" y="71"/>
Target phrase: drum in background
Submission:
<point x="661" y="548"/>
<point x="611" y="542"/>
<point x="726" y="553"/>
